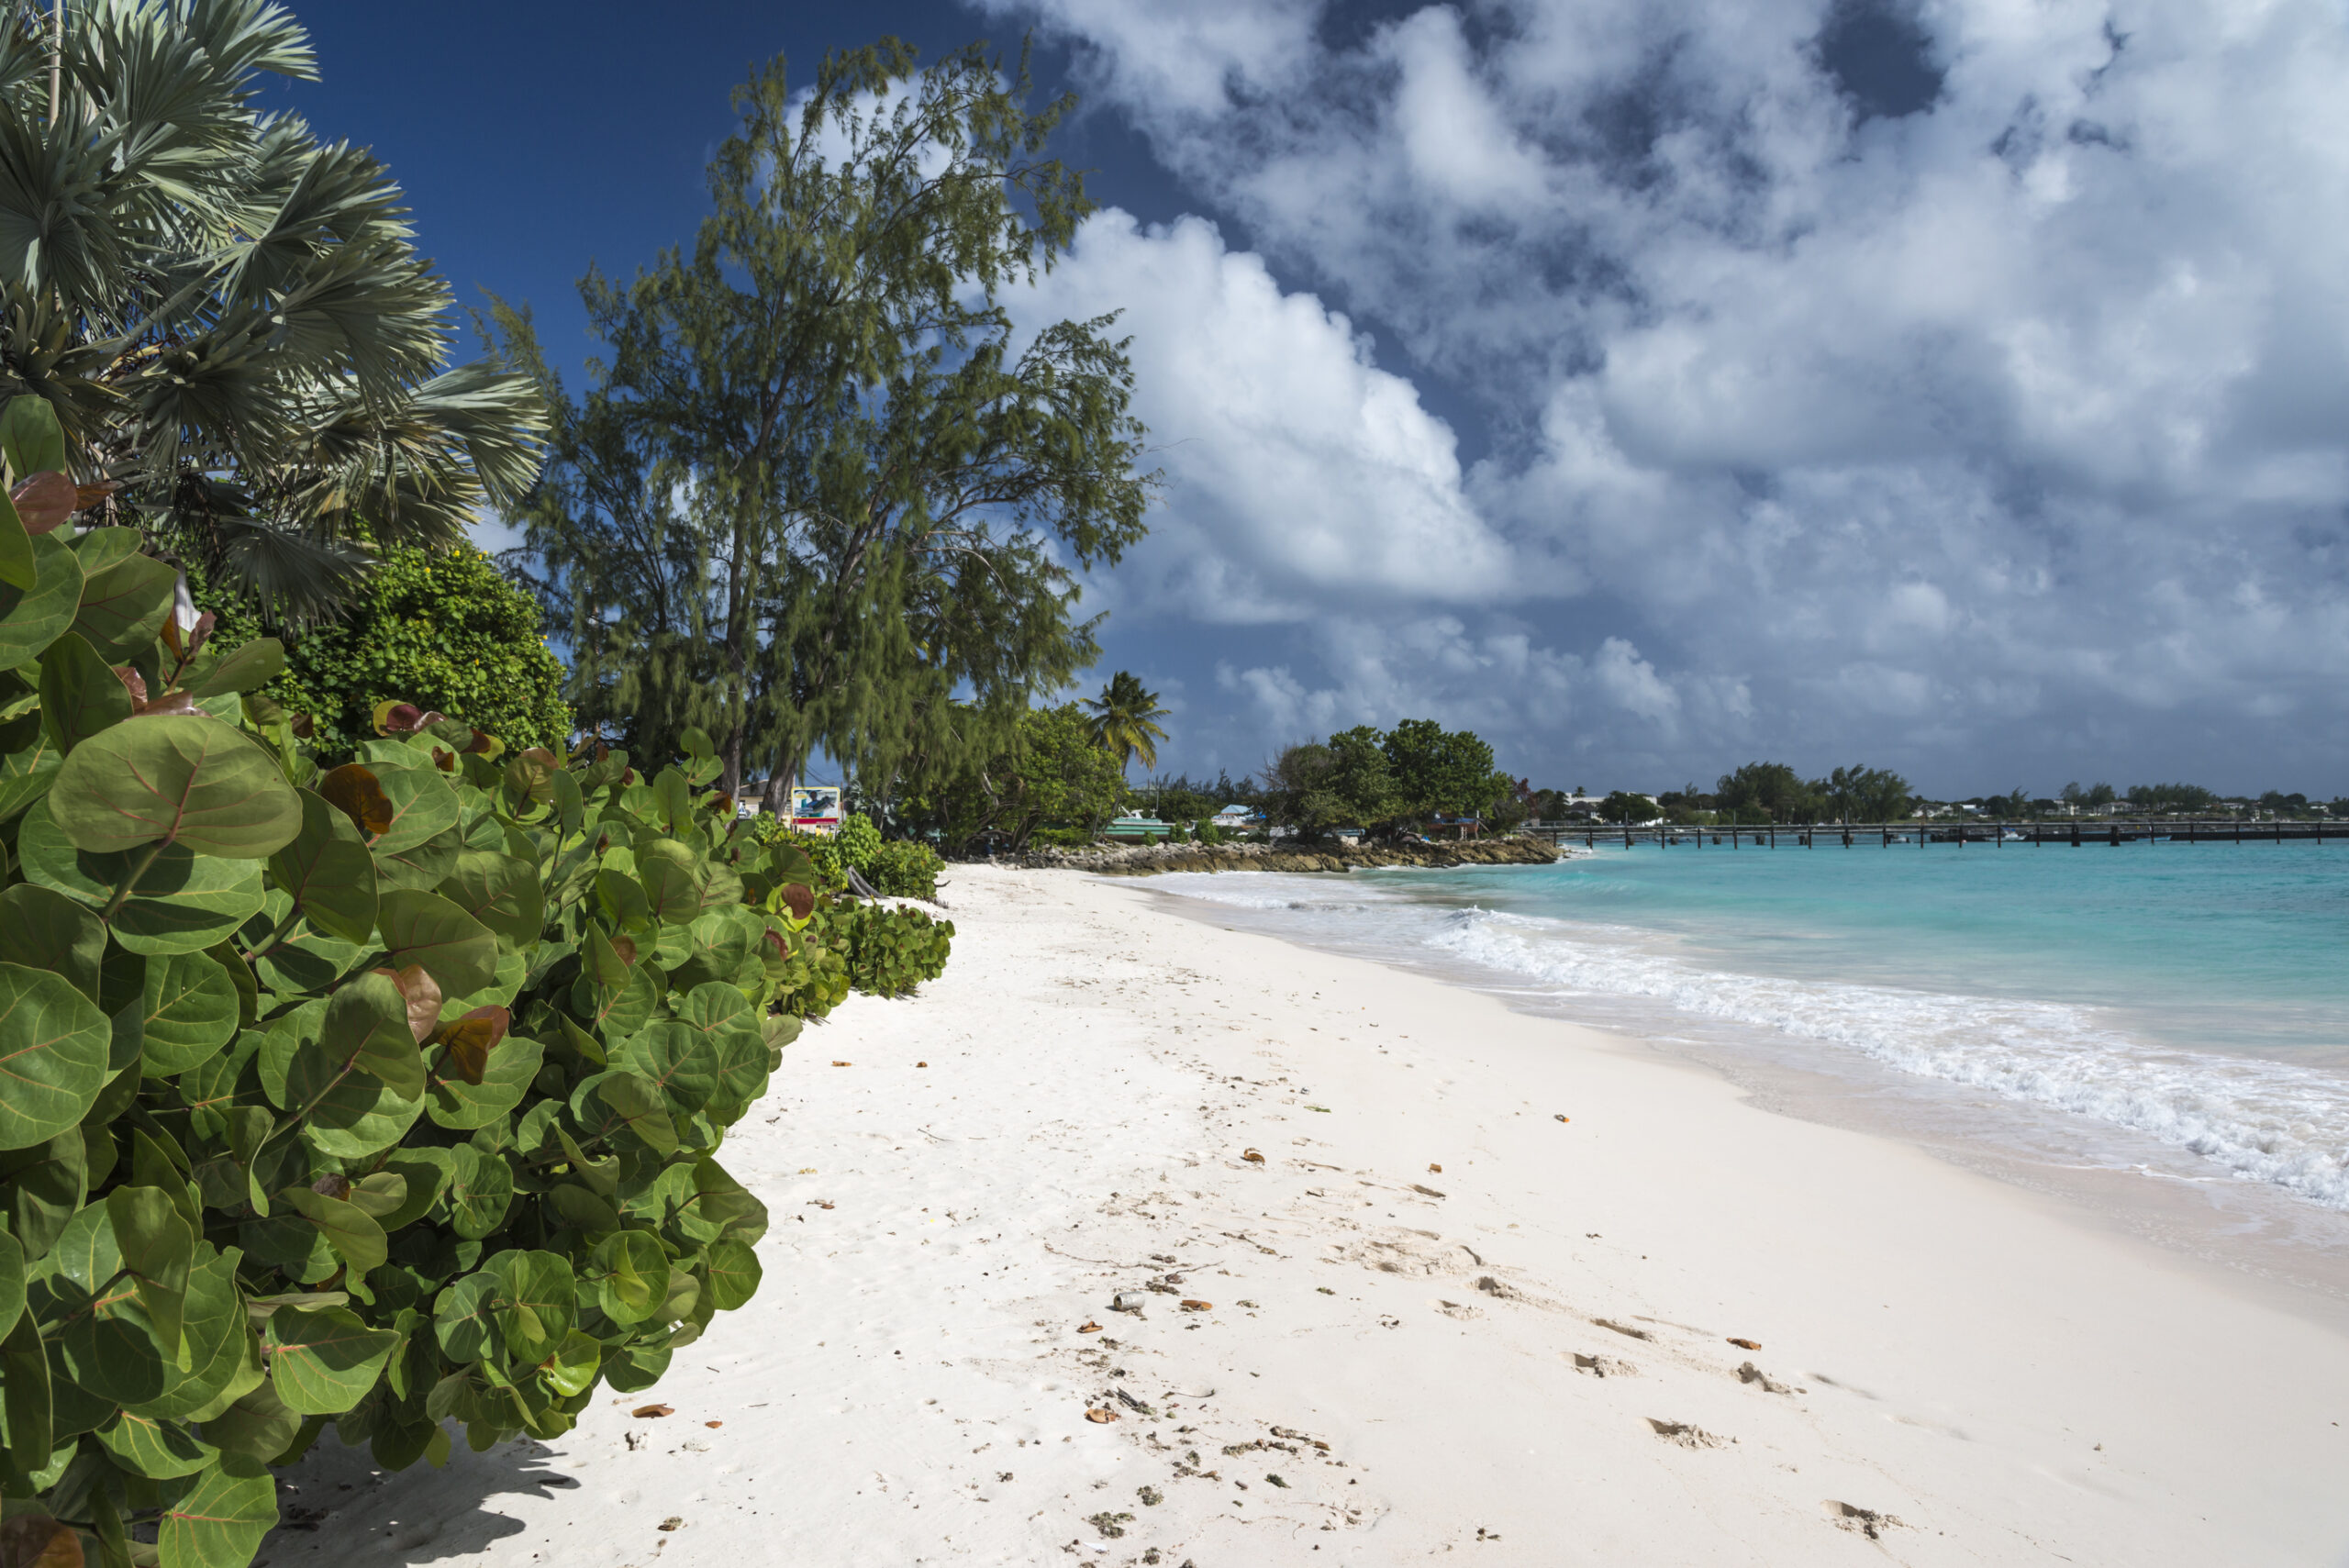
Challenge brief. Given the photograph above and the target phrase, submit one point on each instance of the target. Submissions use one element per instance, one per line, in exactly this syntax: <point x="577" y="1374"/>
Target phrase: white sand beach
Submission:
<point x="1529" y="1355"/>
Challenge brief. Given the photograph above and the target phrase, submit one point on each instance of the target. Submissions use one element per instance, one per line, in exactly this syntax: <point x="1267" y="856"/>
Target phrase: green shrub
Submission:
<point x="859" y="840"/>
<point x="373" y="1098"/>
<point x="889" y="952"/>
<point x="1210" y="834"/>
<point x="906" y="869"/>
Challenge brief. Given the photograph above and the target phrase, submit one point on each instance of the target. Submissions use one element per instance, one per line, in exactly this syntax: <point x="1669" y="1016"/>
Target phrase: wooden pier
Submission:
<point x="2074" y="832"/>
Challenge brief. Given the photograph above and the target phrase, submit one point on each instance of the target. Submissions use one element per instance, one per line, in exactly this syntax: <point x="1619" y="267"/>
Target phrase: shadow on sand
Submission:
<point x="340" y="1507"/>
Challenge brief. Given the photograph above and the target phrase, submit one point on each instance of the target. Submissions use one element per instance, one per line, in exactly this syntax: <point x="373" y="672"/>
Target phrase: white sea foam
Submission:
<point x="2262" y="1121"/>
<point x="2265" y="1120"/>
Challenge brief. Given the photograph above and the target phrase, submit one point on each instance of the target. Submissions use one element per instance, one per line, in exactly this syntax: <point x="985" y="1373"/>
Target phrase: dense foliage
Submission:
<point x="821" y="491"/>
<point x="229" y="314"/>
<point x="446" y="630"/>
<point x="1052" y="771"/>
<point x="1416" y="774"/>
<point x="378" y="1096"/>
<point x="903" y="868"/>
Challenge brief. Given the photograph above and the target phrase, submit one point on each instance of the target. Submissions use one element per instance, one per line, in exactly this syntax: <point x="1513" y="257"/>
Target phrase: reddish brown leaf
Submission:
<point x="801" y="899"/>
<point x="305" y="725"/>
<point x="626" y="948"/>
<point x="358" y="794"/>
<point x="132" y="682"/>
<point x="1102" y="1415"/>
<point x="483" y="745"/>
<point x="88" y="496"/>
<point x="444" y="760"/>
<point x="1198" y="1306"/>
<point x="331" y="1187"/>
<point x="35" y="1541"/>
<point x="782" y="948"/>
<point x="713" y="1424"/>
<point x="44" y="501"/>
<point x="402" y="718"/>
<point x="1252" y="1157"/>
<point x="422" y="993"/>
<point x="649" y="1412"/>
<point x="921" y="1064"/>
<point x="720" y="804"/>
<point x="170" y="702"/>
<point x="841" y="1064"/>
<point x="1089" y="1326"/>
<point x="1746" y="1344"/>
<point x="470" y="1039"/>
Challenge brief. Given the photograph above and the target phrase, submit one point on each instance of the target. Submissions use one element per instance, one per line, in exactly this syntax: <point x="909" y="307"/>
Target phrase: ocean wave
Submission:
<point x="2263" y="1120"/>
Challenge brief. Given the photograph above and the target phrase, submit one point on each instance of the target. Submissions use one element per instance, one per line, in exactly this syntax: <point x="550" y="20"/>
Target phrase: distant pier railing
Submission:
<point x="2114" y="831"/>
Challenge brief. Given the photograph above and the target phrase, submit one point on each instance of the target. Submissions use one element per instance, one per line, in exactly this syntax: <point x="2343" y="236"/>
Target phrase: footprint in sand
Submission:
<point x="1866" y="1521"/>
<point x="1749" y="1373"/>
<point x="1623" y="1329"/>
<point x="1604" y="1366"/>
<point x="1688" y="1436"/>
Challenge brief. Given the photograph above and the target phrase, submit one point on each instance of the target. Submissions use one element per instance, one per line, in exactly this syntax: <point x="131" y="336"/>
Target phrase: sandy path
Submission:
<point x="1413" y="1354"/>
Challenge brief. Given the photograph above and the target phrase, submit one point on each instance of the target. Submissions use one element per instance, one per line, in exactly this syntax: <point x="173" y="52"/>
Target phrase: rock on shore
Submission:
<point x="1151" y="860"/>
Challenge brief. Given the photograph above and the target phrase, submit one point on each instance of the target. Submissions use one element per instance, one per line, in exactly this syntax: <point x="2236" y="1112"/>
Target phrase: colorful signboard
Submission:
<point x="816" y="809"/>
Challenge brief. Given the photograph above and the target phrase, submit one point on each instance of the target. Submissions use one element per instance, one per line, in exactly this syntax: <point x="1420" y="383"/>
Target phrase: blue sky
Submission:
<point x="1950" y="385"/>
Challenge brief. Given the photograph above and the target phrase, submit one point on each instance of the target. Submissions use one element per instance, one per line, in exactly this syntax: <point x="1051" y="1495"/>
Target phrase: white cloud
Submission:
<point x="2012" y="433"/>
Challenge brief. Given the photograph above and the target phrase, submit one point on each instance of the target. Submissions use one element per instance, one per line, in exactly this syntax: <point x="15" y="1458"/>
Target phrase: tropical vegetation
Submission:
<point x="1125" y="720"/>
<point x="819" y="493"/>
<point x="227" y="315"/>
<point x="378" y="1095"/>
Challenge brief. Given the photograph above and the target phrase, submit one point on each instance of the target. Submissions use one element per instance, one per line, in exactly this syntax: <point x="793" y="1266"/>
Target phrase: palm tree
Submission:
<point x="1124" y="717"/>
<point x="227" y="314"/>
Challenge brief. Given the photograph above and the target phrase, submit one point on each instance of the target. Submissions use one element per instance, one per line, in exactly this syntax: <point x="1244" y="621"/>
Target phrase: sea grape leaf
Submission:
<point x="570" y="1371"/>
<point x="222" y="1519"/>
<point x="31" y="618"/>
<point x="538" y="1303"/>
<point x="43" y="928"/>
<point x="324" y="1362"/>
<point x="367" y="1022"/>
<point x="423" y="805"/>
<point x="222" y="1363"/>
<point x="25" y="1418"/>
<point x="464" y="1318"/>
<point x="479" y="1191"/>
<point x="107" y="1343"/>
<point x="346" y="1113"/>
<point x="246" y="669"/>
<point x="733" y="1274"/>
<point x="18" y="568"/>
<point x="123" y="605"/>
<point x="325" y="870"/>
<point x="467" y="1040"/>
<point x="54" y="1045"/>
<point x="500" y="892"/>
<point x="158" y="1248"/>
<point x="180" y="902"/>
<point x="632" y="1272"/>
<point x="156" y="1447"/>
<point x="194" y="782"/>
<point x="462" y="1107"/>
<point x="189" y="1010"/>
<point x="351" y="1230"/>
<point x="424" y="928"/>
<point x="678" y="1059"/>
<point x="32" y="437"/>
<point x="12" y="1281"/>
<point x="25" y="775"/>
<point x="80" y="692"/>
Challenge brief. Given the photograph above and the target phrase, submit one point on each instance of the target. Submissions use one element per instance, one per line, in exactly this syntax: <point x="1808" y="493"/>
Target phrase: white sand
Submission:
<point x="2012" y="1382"/>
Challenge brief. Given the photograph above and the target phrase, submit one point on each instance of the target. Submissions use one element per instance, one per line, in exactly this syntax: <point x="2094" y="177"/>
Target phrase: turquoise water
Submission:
<point x="2195" y="995"/>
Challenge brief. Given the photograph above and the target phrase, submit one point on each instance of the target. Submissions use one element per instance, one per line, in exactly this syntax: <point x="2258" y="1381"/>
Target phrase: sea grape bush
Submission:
<point x="887" y="952"/>
<point x="905" y="869"/>
<point x="377" y="1097"/>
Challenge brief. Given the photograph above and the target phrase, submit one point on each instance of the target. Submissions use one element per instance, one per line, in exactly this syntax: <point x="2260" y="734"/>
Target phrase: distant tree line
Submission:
<point x="1415" y="776"/>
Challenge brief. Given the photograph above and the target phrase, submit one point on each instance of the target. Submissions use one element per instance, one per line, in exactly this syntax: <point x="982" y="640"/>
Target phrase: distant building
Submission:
<point x="1239" y="817"/>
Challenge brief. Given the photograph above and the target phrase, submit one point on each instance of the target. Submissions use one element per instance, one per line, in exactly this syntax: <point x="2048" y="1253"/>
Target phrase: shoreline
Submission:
<point x="1946" y="1369"/>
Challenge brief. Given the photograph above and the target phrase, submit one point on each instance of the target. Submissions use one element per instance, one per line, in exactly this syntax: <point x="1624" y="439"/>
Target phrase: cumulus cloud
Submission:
<point x="2005" y="435"/>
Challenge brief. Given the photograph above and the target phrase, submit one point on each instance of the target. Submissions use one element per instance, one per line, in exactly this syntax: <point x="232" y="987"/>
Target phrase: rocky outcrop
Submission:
<point x="1153" y="859"/>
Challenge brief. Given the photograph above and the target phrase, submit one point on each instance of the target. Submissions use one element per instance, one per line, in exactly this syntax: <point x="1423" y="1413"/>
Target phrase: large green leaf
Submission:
<point x="26" y="774"/>
<point x="44" y="1185"/>
<point x="43" y="928"/>
<point x="631" y="1271"/>
<point x="222" y="1362"/>
<point x="424" y="928"/>
<point x="480" y="1191"/>
<point x="538" y="1305"/>
<point x="30" y="436"/>
<point x="257" y="1425"/>
<point x="462" y="1107"/>
<point x="351" y="1230"/>
<point x="123" y="607"/>
<point x="346" y="1113"/>
<point x="196" y="782"/>
<point x="18" y="568"/>
<point x="733" y="1274"/>
<point x="25" y="1428"/>
<point x="53" y="1051"/>
<point x="324" y="1362"/>
<point x="80" y="692"/>
<point x="367" y="1023"/>
<point x="678" y="1059"/>
<point x="464" y="1318"/>
<point x="425" y="1171"/>
<point x="499" y="890"/>
<point x="220" y="1522"/>
<point x="190" y="1010"/>
<point x="325" y="870"/>
<point x="12" y="1281"/>
<point x="158" y="1249"/>
<point x="156" y="1447"/>
<point x="570" y="1371"/>
<point x="181" y="902"/>
<point x="423" y="805"/>
<point x="32" y="618"/>
<point x="247" y="668"/>
<point x="107" y="1344"/>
